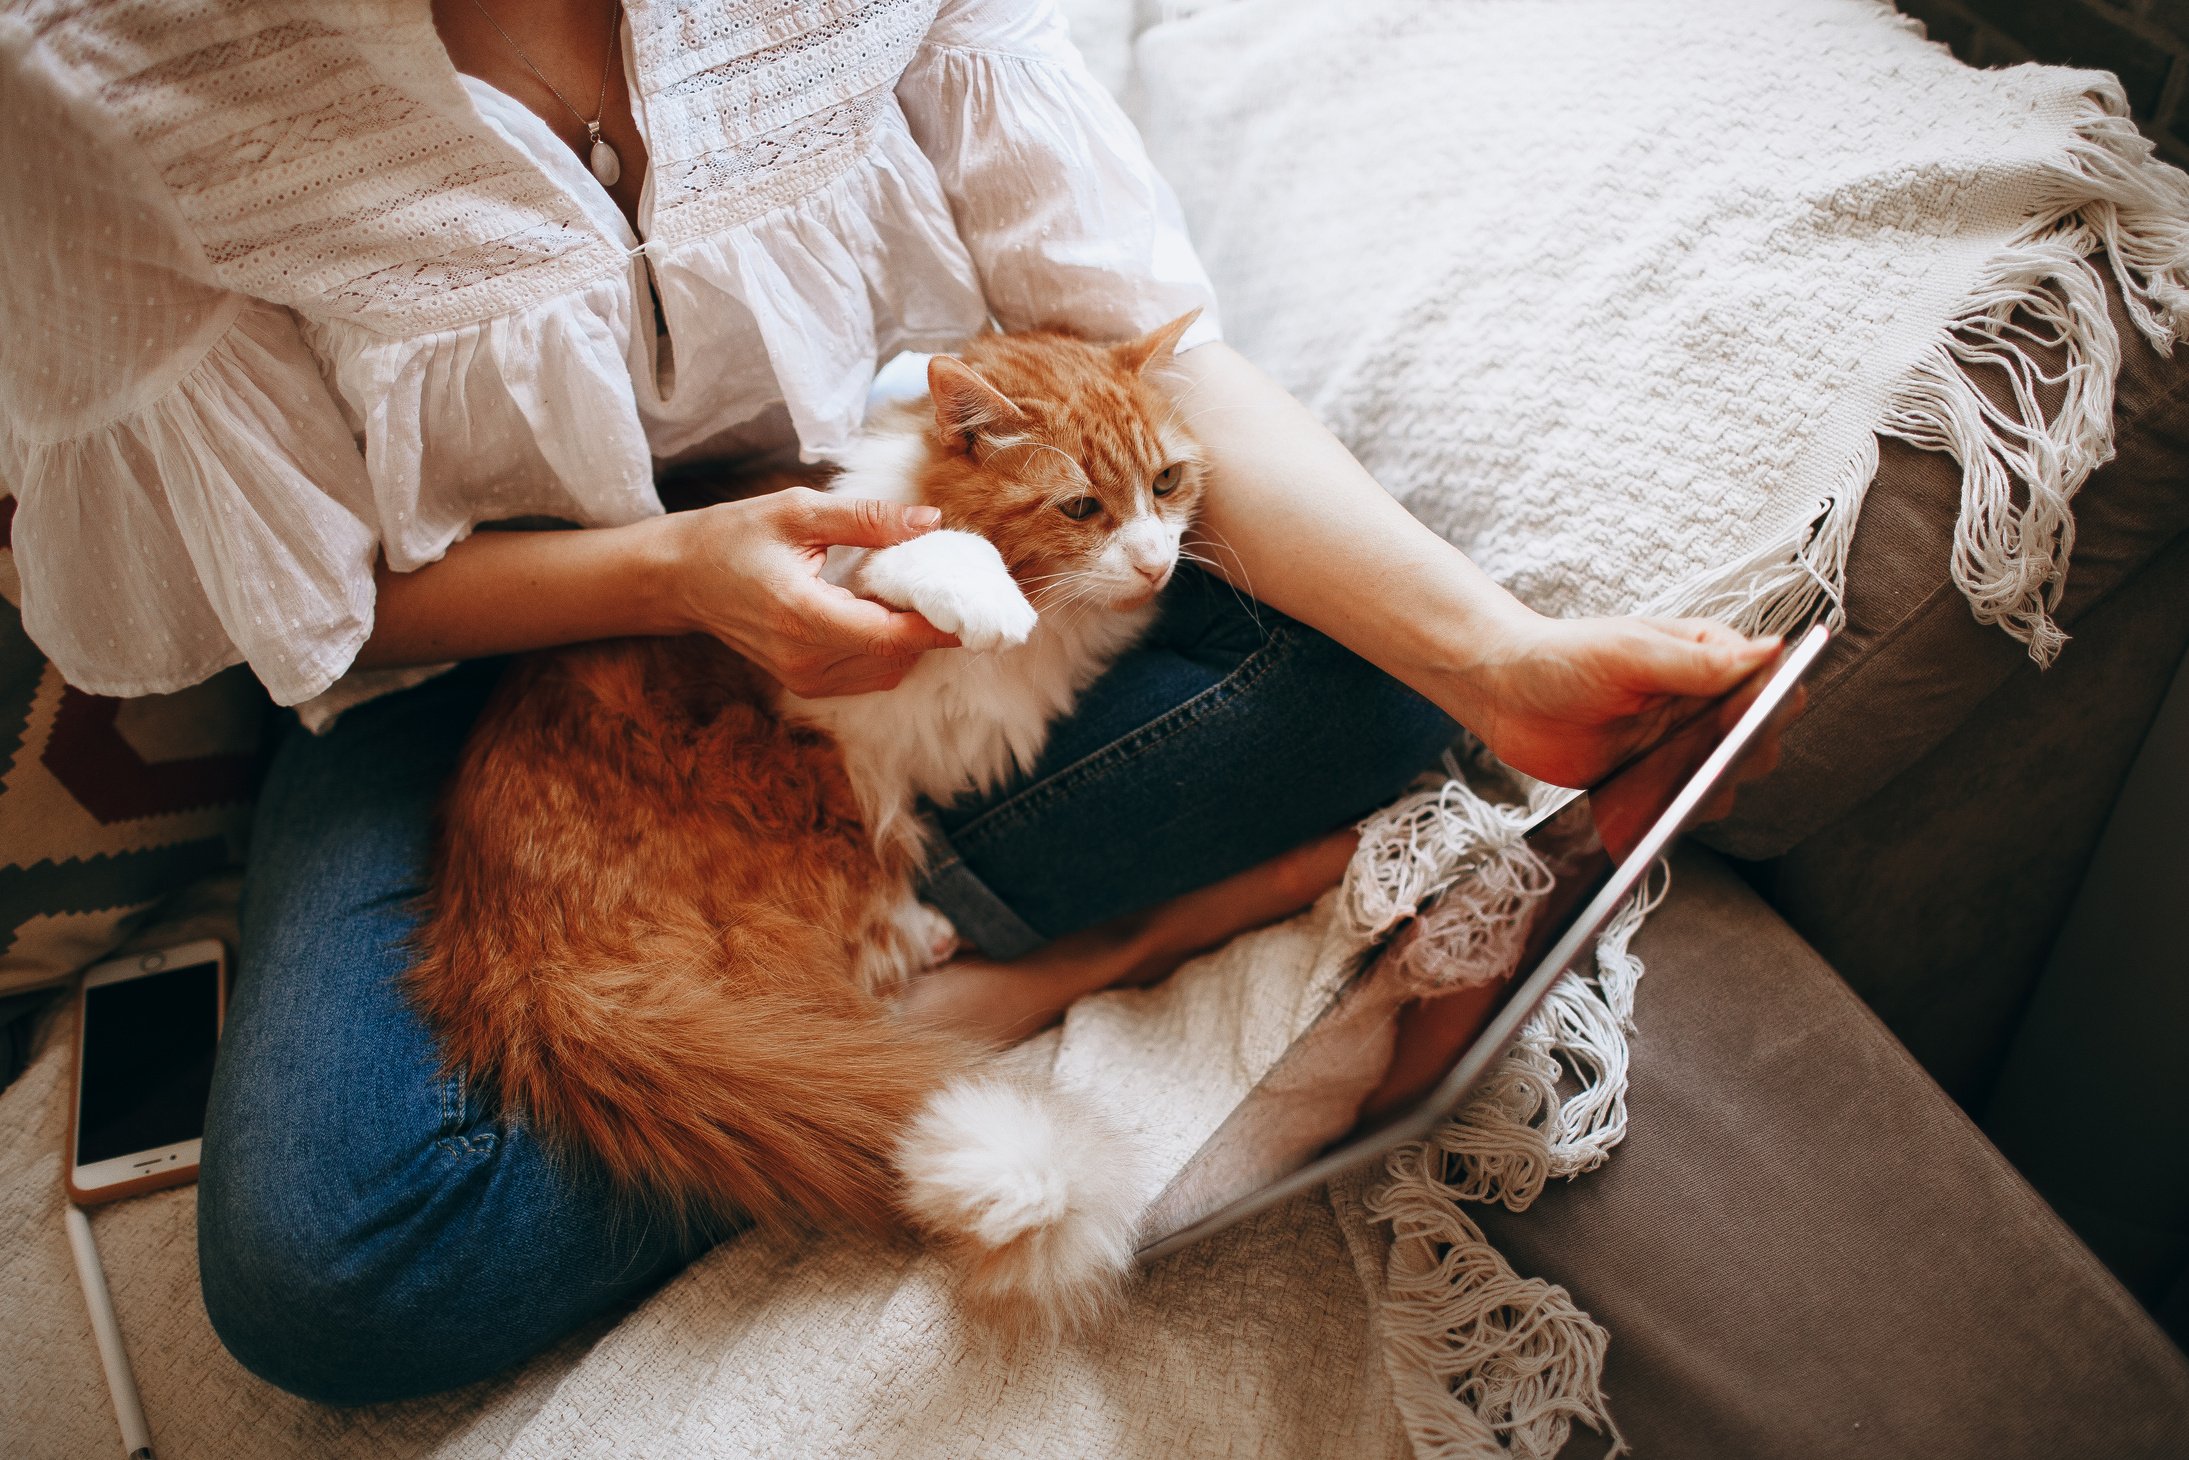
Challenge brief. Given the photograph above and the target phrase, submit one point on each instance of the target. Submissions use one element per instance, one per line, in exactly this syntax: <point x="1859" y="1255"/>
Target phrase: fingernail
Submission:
<point x="923" y="516"/>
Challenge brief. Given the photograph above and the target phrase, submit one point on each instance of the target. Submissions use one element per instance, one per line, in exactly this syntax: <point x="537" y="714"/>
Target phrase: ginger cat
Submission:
<point x="670" y="901"/>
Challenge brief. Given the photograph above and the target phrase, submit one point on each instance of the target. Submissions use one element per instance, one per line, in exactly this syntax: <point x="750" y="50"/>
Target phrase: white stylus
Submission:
<point x="120" y="1383"/>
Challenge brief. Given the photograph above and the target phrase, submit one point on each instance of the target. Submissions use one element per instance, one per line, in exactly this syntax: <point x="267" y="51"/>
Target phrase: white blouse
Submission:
<point x="281" y="292"/>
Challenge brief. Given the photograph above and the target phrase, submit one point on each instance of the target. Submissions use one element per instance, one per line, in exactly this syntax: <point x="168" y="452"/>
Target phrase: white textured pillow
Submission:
<point x="1616" y="295"/>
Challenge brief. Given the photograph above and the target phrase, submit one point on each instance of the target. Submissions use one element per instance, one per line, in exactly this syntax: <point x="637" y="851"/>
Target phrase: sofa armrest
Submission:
<point x="1938" y="896"/>
<point x="1912" y="663"/>
<point x="1803" y="1249"/>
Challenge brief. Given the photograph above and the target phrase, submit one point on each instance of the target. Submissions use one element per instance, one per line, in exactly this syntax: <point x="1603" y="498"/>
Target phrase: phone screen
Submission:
<point x="148" y="1061"/>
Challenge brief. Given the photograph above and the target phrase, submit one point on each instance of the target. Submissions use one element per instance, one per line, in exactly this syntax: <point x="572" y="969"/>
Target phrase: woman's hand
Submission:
<point x="749" y="573"/>
<point x="1566" y="700"/>
<point x="1292" y="518"/>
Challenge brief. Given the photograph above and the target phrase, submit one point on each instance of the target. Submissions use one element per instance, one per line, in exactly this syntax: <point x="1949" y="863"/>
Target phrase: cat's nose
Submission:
<point x="1157" y="574"/>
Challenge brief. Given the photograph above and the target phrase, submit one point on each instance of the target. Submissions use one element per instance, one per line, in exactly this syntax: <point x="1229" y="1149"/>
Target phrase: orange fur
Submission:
<point x="1072" y="403"/>
<point x="652" y="891"/>
<point x="648" y="891"/>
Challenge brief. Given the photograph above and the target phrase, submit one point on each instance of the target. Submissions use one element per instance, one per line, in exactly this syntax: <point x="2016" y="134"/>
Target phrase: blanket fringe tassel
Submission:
<point x="2021" y="464"/>
<point x="1485" y="1363"/>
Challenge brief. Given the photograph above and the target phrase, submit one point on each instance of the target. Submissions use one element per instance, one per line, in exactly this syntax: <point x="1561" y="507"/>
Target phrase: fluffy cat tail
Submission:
<point x="1034" y="1192"/>
<point x="820" y="1104"/>
<point x="701" y="1100"/>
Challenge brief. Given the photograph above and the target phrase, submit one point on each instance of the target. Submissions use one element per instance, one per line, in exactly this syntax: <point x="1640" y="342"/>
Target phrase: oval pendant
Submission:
<point x="605" y="164"/>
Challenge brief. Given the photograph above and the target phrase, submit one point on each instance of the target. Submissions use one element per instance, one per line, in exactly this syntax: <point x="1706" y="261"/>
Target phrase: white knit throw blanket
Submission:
<point x="1615" y="295"/>
<point x="1618" y="298"/>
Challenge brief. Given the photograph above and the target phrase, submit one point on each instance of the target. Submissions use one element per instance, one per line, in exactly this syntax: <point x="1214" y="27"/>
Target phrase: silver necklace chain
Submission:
<point x="606" y="165"/>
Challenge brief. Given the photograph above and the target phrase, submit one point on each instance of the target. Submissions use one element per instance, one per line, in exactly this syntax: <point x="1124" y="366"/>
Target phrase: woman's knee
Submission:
<point x="308" y="1291"/>
<point x="356" y="1287"/>
<point x="273" y="1296"/>
<point x="346" y="1292"/>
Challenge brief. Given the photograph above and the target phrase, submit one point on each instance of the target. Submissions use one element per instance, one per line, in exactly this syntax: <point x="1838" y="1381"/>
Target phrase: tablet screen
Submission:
<point x="1384" y="1064"/>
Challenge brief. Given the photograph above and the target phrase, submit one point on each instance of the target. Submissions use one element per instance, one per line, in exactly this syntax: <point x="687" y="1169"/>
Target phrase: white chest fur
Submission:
<point x="962" y="719"/>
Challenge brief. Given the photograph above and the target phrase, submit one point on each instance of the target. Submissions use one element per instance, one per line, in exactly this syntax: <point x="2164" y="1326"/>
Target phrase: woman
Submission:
<point x="299" y="296"/>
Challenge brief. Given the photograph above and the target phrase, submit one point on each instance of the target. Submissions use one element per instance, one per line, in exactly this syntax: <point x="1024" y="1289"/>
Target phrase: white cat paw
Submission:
<point x="984" y="615"/>
<point x="931" y="937"/>
<point x="958" y="583"/>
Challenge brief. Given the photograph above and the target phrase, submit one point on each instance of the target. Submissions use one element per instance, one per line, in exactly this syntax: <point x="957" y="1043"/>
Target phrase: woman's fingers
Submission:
<point x="1693" y="658"/>
<point x="815" y="675"/>
<point x="845" y="645"/>
<point x="857" y="677"/>
<point x="850" y="625"/>
<point x="749" y="572"/>
<point x="1579" y="696"/>
<point x="1698" y="630"/>
<point x="819" y="517"/>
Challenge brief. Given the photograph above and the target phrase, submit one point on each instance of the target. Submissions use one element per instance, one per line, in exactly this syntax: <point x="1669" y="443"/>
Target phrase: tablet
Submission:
<point x="1381" y="1066"/>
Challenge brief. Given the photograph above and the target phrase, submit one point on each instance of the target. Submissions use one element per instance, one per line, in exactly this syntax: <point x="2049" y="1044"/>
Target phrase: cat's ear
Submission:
<point x="966" y="405"/>
<point x="1152" y="351"/>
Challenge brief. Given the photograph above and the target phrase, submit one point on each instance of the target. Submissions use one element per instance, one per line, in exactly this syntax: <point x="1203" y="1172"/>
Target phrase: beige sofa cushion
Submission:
<point x="1803" y="1251"/>
<point x="1912" y="663"/>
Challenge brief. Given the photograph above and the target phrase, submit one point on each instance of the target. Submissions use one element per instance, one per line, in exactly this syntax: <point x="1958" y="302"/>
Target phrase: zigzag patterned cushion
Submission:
<point x="107" y="806"/>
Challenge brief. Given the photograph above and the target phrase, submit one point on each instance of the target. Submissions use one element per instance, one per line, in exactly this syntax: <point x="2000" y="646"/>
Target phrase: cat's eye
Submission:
<point x="1166" y="480"/>
<point x="1079" y="509"/>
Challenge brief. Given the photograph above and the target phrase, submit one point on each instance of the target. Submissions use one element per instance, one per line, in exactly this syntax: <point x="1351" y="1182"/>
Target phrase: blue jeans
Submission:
<point x="370" y="1227"/>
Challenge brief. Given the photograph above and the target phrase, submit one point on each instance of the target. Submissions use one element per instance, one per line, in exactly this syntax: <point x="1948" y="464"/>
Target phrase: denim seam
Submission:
<point x="1105" y="761"/>
<point x="452" y="1103"/>
<point x="452" y="1138"/>
<point x="991" y="924"/>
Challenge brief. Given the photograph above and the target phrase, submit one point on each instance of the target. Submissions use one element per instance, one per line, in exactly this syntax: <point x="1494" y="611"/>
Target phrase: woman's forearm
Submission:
<point x="747" y="572"/>
<point x="1291" y="518"/>
<point x="1294" y="520"/>
<point x="503" y="592"/>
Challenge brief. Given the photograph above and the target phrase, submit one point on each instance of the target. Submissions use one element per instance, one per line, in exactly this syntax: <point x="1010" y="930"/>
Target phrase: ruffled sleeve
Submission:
<point x="1067" y="220"/>
<point x="189" y="495"/>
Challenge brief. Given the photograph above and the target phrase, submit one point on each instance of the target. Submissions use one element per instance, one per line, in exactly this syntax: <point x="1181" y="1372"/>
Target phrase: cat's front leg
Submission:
<point x="957" y="581"/>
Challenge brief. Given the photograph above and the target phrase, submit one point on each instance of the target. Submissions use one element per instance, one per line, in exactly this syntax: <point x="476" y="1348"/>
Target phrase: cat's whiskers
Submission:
<point x="1205" y="549"/>
<point x="1074" y="588"/>
<point x="1236" y="577"/>
<point x="1047" y="583"/>
<point x="1180" y="413"/>
<point x="1079" y="587"/>
<point x="1063" y="590"/>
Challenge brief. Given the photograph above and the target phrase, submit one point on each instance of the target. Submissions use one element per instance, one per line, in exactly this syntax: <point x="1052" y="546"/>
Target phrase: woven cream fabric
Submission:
<point x="1616" y="296"/>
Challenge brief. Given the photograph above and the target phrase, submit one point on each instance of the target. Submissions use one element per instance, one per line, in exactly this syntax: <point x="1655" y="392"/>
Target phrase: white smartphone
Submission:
<point x="146" y="1029"/>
